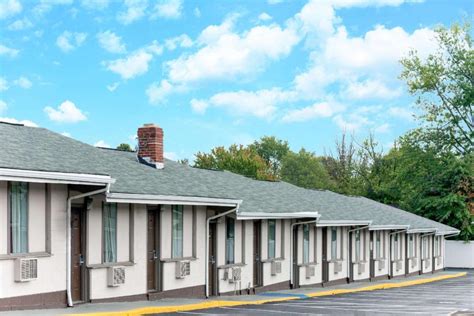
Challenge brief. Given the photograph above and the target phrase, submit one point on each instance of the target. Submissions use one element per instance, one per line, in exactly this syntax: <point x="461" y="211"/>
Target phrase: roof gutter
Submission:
<point x="206" y="259"/>
<point x="54" y="177"/>
<point x="388" y="227"/>
<point x="324" y="223"/>
<point x="447" y="235"/>
<point x="68" y="237"/>
<point x="292" y="227"/>
<point x="276" y="215"/>
<point x="421" y="230"/>
<point x="169" y="199"/>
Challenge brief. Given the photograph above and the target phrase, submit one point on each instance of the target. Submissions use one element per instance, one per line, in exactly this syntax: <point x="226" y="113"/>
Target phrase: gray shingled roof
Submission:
<point x="39" y="149"/>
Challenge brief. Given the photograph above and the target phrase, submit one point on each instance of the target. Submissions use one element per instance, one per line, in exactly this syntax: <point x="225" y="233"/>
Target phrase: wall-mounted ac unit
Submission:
<point x="183" y="268"/>
<point x="236" y="275"/>
<point x="115" y="276"/>
<point x="361" y="268"/>
<point x="337" y="267"/>
<point x="276" y="267"/>
<point x="310" y="271"/>
<point x="381" y="264"/>
<point x="413" y="262"/>
<point x="26" y="269"/>
<point x="399" y="265"/>
<point x="427" y="263"/>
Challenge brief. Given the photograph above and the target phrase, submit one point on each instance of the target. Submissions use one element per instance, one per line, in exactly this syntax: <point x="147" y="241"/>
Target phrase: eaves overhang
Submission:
<point x="343" y="222"/>
<point x="170" y="199"/>
<point x="23" y="175"/>
<point x="275" y="215"/>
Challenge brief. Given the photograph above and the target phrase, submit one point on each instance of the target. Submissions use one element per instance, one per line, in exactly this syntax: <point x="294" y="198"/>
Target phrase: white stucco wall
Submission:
<point x="459" y="254"/>
<point x="314" y="257"/>
<point x="51" y="270"/>
<point x="381" y="266"/>
<point x="364" y="255"/>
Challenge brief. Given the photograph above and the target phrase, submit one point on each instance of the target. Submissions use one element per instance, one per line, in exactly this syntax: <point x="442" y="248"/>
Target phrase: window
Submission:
<point x="426" y="249"/>
<point x="230" y="240"/>
<point x="305" y="243"/>
<point x="438" y="246"/>
<point x="333" y="243"/>
<point x="378" y="244"/>
<point x="395" y="247"/>
<point x="109" y="223"/>
<point x="177" y="231"/>
<point x="357" y="245"/>
<point x="271" y="238"/>
<point x="19" y="217"/>
<point x="411" y="246"/>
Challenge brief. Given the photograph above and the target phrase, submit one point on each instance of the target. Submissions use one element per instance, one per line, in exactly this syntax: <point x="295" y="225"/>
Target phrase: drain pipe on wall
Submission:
<point x="349" y="247"/>
<point x="292" y="227"/>
<point x="68" y="237"/>
<point x="390" y="249"/>
<point x="206" y="260"/>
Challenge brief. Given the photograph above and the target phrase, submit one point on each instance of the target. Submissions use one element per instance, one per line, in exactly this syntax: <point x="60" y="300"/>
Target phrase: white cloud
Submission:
<point x="19" y="25"/>
<point x="370" y="89"/>
<point x="131" y="66"/>
<point x="135" y="10"/>
<point x="9" y="8"/>
<point x="262" y="103"/>
<point x="170" y="155"/>
<point x="102" y="144"/>
<point x="225" y="54"/>
<point x="69" y="41"/>
<point x="182" y="40"/>
<point x="272" y="2"/>
<point x="3" y="84"/>
<point x="3" y="106"/>
<point x="401" y="113"/>
<point x="264" y="17"/>
<point x="66" y="134"/>
<point x="383" y="128"/>
<point x="45" y="6"/>
<point x="112" y="43"/>
<point x="7" y="51"/>
<point x="95" y="4"/>
<point x="112" y="87"/>
<point x="170" y="9"/>
<point x="23" y="82"/>
<point x="67" y="112"/>
<point x="15" y="121"/>
<point x="353" y="123"/>
<point x="317" y="110"/>
<point x="197" y="12"/>
<point x="158" y="92"/>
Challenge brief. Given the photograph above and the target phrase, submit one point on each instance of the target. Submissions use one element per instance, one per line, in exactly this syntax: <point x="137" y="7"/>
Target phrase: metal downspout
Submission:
<point x="206" y="260"/>
<point x="292" y="227"/>
<point x="68" y="238"/>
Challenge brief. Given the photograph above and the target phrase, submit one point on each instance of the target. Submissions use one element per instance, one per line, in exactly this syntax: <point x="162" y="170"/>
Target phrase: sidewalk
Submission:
<point x="175" y="305"/>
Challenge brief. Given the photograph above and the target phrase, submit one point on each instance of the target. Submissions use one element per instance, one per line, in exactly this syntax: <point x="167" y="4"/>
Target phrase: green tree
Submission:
<point x="305" y="169"/>
<point x="444" y="85"/>
<point x="237" y="159"/>
<point x="272" y="150"/>
<point x="124" y="147"/>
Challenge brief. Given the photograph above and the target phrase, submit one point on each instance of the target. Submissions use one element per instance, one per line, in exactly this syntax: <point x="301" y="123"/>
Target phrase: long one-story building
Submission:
<point x="84" y="224"/>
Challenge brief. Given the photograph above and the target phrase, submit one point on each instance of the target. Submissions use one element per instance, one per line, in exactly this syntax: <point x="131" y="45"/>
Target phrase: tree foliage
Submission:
<point x="124" y="147"/>
<point x="272" y="150"/>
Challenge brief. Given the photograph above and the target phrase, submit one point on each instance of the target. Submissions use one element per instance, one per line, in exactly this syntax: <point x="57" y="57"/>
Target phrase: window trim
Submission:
<point x="9" y="220"/>
<point x="103" y="234"/>
<point x="172" y="232"/>
<point x="306" y="259"/>
<point x="227" y="220"/>
<point x="334" y="242"/>
<point x="274" y="239"/>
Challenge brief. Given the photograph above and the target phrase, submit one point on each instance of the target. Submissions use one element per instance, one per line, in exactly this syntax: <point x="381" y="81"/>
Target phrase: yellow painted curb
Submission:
<point x="214" y="304"/>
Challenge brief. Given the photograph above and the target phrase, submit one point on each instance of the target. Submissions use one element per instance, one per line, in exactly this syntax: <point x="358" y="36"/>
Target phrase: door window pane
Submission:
<point x="109" y="221"/>
<point x="271" y="238"/>
<point x="230" y="240"/>
<point x="305" y="243"/>
<point x="19" y="217"/>
<point x="177" y="233"/>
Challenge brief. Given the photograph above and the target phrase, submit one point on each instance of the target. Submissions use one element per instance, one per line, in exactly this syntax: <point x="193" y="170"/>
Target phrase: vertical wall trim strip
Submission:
<point x="282" y="254"/>
<point x="47" y="193"/>
<point x="131" y="232"/>
<point x="242" y="238"/>
<point x="9" y="219"/>
<point x="194" y="250"/>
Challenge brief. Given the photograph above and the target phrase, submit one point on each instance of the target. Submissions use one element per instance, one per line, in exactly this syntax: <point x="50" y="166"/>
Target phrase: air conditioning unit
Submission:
<point x="225" y="276"/>
<point x="337" y="267"/>
<point x="276" y="267"/>
<point x="413" y="262"/>
<point x="26" y="269"/>
<point x="310" y="271"/>
<point x="115" y="276"/>
<point x="361" y="268"/>
<point x="381" y="264"/>
<point x="438" y="261"/>
<point x="399" y="265"/>
<point x="183" y="268"/>
<point x="427" y="263"/>
<point x="236" y="275"/>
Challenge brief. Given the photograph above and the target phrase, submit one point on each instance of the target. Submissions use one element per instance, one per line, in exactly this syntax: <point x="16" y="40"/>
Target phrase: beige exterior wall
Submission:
<point x="381" y="265"/>
<point x="315" y="253"/>
<point x="51" y="269"/>
<point x="361" y="272"/>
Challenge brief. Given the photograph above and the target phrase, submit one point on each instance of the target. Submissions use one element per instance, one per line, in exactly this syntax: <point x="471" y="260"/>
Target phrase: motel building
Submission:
<point x="81" y="224"/>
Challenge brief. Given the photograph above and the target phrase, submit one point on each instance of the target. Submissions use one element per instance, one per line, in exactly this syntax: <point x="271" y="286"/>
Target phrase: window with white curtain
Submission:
<point x="177" y="230"/>
<point x="271" y="238"/>
<point x="357" y="245"/>
<point x="230" y="241"/>
<point x="396" y="247"/>
<point x="411" y="246"/>
<point x="19" y="217"/>
<point x="305" y="243"/>
<point x="333" y="243"/>
<point x="438" y="246"/>
<point x="109" y="223"/>
<point x="378" y="244"/>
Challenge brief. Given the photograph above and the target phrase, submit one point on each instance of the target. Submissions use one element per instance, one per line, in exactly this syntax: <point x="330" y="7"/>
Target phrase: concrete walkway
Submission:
<point x="182" y="304"/>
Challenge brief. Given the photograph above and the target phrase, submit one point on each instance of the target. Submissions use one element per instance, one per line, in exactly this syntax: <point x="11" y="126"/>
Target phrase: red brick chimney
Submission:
<point x="150" y="145"/>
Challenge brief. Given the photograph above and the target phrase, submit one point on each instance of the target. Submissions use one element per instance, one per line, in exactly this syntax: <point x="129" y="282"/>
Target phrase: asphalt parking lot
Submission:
<point x="448" y="297"/>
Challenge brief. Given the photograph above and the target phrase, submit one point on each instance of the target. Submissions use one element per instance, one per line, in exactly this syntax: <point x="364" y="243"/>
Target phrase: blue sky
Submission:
<point x="215" y="72"/>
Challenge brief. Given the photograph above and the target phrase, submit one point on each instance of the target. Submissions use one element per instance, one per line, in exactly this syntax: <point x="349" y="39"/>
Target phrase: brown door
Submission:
<point x="325" y="262"/>
<point x="371" y="256"/>
<point x="153" y="262"/>
<point x="257" y="263"/>
<point x="77" y="255"/>
<point x="212" y="272"/>
<point x="296" y="268"/>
